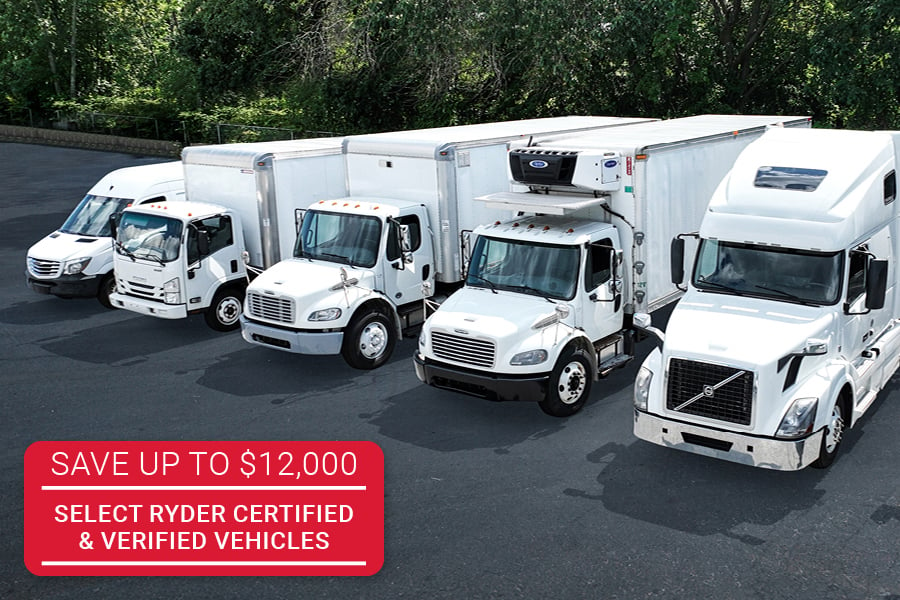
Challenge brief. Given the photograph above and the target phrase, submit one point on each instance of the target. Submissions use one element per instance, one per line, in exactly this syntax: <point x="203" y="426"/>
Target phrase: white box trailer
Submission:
<point x="789" y="327"/>
<point x="549" y="296"/>
<point x="76" y="260"/>
<point x="241" y="213"/>
<point x="365" y="263"/>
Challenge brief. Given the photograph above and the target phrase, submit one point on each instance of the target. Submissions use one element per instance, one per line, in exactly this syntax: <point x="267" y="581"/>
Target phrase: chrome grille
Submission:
<point x="270" y="308"/>
<point x="461" y="349"/>
<point x="711" y="391"/>
<point x="44" y="268"/>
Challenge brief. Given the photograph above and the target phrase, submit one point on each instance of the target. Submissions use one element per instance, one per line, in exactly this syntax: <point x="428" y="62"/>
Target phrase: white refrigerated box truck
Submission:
<point x="240" y="216"/>
<point x="549" y="296"/>
<point x="789" y="326"/>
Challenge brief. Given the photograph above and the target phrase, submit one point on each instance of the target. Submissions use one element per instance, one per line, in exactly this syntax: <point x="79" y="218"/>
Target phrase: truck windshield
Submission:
<point x="544" y="270"/>
<point x="339" y="237"/>
<point x="91" y="216"/>
<point x="149" y="236"/>
<point x="781" y="274"/>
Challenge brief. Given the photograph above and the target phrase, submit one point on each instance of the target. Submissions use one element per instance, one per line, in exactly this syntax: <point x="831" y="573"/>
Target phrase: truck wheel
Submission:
<point x="569" y="386"/>
<point x="225" y="311"/>
<point x="107" y="287"/>
<point x="831" y="442"/>
<point x="369" y="340"/>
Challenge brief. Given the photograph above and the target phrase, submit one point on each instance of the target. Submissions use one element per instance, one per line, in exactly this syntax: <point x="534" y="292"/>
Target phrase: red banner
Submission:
<point x="204" y="508"/>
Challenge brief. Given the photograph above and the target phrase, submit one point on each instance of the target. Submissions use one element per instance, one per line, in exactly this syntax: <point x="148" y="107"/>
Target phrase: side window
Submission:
<point x="599" y="269"/>
<point x="890" y="187"/>
<point x="856" y="285"/>
<point x="220" y="234"/>
<point x="156" y="199"/>
<point x="415" y="236"/>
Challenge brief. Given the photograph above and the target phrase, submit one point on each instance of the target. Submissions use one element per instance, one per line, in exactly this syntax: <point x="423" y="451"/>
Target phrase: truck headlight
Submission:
<point x="642" y="388"/>
<point x="799" y="419"/>
<point x="328" y="314"/>
<point x="172" y="291"/>
<point x="74" y="267"/>
<point x="422" y="339"/>
<point x="530" y="357"/>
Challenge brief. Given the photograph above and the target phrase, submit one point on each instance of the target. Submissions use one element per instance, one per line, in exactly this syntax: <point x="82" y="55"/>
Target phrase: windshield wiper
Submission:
<point x="487" y="281"/>
<point x="148" y="256"/>
<point x="536" y="292"/>
<point x="120" y="246"/>
<point x="347" y="259"/>
<point x="786" y="295"/>
<point x="720" y="286"/>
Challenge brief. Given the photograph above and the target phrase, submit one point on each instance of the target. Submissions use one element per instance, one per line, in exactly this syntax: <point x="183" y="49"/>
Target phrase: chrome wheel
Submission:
<point x="572" y="382"/>
<point x="373" y="340"/>
<point x="835" y="430"/>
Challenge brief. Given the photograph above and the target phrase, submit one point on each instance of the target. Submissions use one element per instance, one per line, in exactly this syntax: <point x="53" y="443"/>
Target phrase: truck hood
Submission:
<point x="65" y="246"/>
<point x="310" y="285"/>
<point x="749" y="331"/>
<point x="481" y="312"/>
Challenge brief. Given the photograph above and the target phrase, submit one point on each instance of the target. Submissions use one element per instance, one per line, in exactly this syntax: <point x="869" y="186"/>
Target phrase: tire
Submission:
<point x="569" y="386"/>
<point x="224" y="313"/>
<point x="831" y="441"/>
<point x="369" y="340"/>
<point x="107" y="287"/>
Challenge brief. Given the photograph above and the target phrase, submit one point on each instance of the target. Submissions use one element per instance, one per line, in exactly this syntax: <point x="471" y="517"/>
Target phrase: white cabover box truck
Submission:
<point x="363" y="264"/>
<point x="788" y="328"/>
<point x="549" y="296"/>
<point x="175" y="260"/>
<point x="77" y="259"/>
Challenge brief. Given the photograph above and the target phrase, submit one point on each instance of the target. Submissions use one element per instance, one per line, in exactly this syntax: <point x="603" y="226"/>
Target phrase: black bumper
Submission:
<point x="498" y="387"/>
<point x="66" y="285"/>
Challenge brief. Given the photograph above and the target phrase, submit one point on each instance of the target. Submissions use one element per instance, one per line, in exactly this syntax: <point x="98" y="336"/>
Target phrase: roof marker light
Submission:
<point x="546" y="228"/>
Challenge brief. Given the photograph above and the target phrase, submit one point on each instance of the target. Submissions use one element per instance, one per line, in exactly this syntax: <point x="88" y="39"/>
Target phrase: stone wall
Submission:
<point x="90" y="141"/>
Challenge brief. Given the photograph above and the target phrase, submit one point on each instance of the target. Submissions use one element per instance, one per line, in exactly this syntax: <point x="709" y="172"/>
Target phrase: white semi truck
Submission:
<point x="549" y="296"/>
<point x="789" y="326"/>
<point x="175" y="260"/>
<point x="76" y="260"/>
<point x="363" y="264"/>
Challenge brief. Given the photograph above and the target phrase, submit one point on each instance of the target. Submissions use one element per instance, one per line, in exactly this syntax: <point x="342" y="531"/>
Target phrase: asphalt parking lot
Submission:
<point x="482" y="500"/>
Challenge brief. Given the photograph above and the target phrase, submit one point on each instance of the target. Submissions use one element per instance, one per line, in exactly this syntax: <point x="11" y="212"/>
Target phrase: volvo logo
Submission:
<point x="538" y="164"/>
<point x="709" y="391"/>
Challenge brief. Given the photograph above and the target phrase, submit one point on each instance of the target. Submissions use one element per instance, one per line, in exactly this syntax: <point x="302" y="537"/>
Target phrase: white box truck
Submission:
<point x="176" y="260"/>
<point x="77" y="259"/>
<point x="363" y="264"/>
<point x="789" y="326"/>
<point x="549" y="296"/>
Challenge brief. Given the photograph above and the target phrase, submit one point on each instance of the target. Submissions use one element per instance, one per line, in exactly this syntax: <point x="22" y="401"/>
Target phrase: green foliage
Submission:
<point x="369" y="65"/>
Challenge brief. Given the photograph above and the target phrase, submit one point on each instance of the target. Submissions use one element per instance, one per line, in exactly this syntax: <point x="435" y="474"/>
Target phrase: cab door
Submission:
<point x="406" y="269"/>
<point x="602" y="287"/>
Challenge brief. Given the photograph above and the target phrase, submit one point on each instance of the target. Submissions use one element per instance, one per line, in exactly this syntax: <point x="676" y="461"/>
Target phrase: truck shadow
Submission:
<point x="50" y="310"/>
<point x="705" y="496"/>
<point x="130" y="341"/>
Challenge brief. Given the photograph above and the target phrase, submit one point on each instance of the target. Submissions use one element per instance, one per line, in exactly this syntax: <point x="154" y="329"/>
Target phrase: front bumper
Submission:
<point x="289" y="340"/>
<point x="75" y="286"/>
<point x="148" y="307"/>
<point x="493" y="386"/>
<point x="765" y="452"/>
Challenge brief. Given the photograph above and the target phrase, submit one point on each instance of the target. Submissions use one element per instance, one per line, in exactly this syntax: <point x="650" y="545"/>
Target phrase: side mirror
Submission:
<point x="405" y="244"/>
<point x="114" y="225"/>
<point x="299" y="213"/>
<point x="644" y="323"/>
<point x="876" y="284"/>
<point x="676" y="258"/>
<point x="203" y="242"/>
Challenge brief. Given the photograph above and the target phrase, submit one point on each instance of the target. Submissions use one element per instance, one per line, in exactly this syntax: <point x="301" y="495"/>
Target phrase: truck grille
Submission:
<point x="140" y="290"/>
<point x="461" y="349"/>
<point x="270" y="308"/>
<point x="711" y="391"/>
<point x="44" y="268"/>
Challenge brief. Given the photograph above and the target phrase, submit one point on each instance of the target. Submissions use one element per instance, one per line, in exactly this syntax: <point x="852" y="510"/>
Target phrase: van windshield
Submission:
<point x="91" y="216"/>
<point x="547" y="270"/>
<point x="781" y="274"/>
